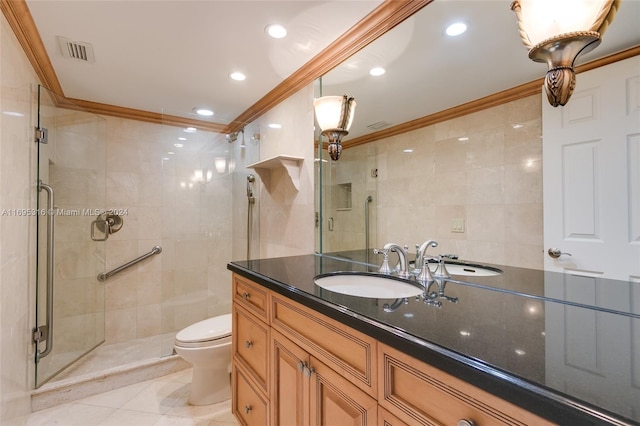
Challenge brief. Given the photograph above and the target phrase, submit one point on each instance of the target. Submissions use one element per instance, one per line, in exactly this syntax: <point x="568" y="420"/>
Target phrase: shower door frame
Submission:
<point x="57" y="278"/>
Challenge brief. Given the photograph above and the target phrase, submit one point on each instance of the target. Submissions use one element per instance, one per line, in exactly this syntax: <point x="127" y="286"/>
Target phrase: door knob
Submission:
<point x="556" y="253"/>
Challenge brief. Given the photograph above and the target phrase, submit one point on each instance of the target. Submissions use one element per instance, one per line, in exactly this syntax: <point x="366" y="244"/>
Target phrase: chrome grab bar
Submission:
<point x="106" y="275"/>
<point x="45" y="332"/>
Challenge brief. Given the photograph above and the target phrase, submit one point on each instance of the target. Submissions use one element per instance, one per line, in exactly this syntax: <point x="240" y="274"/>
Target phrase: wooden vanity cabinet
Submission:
<point x="417" y="393"/>
<point x="304" y="391"/>
<point x="250" y="353"/>
<point x="293" y="366"/>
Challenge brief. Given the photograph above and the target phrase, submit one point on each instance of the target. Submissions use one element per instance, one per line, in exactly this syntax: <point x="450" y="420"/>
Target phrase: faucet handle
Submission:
<point x="425" y="276"/>
<point x="384" y="268"/>
<point x="441" y="269"/>
<point x="450" y="256"/>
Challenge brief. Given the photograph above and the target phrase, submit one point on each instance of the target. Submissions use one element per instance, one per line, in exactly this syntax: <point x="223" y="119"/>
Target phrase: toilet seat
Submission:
<point x="210" y="332"/>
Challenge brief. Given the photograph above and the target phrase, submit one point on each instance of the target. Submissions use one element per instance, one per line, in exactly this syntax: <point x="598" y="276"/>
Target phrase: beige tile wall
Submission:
<point x="493" y="181"/>
<point x="287" y="214"/>
<point x="17" y="256"/>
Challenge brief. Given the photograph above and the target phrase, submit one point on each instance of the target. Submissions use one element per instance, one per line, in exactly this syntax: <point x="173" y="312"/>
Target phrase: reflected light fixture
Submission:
<point x="556" y="32"/>
<point x="335" y="115"/>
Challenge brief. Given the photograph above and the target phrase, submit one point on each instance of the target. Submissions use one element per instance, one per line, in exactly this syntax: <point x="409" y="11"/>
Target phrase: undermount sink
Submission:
<point x="472" y="270"/>
<point x="372" y="286"/>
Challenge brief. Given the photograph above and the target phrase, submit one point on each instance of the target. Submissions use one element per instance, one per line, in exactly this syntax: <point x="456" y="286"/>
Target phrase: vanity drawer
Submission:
<point x="249" y="406"/>
<point x="346" y="351"/>
<point x="251" y="344"/>
<point x="418" y="393"/>
<point x="251" y="296"/>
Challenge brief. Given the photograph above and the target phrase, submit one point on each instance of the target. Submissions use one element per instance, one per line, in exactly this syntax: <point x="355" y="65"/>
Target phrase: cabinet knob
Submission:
<point x="245" y="295"/>
<point x="247" y="409"/>
<point x="466" y="422"/>
<point x="309" y="371"/>
<point x="301" y="365"/>
<point x="248" y="344"/>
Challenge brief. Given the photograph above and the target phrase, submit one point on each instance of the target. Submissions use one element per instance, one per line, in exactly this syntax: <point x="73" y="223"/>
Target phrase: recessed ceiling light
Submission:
<point x="463" y="138"/>
<point x="518" y="126"/>
<point x="165" y="158"/>
<point x="465" y="333"/>
<point x="377" y="71"/>
<point x="275" y="126"/>
<point x="190" y="130"/>
<point x="237" y="76"/>
<point x="408" y="150"/>
<point x="181" y="138"/>
<point x="276" y="31"/>
<point x="171" y="153"/>
<point x="203" y="112"/>
<point x="178" y="145"/>
<point x="456" y="29"/>
<point x="520" y="352"/>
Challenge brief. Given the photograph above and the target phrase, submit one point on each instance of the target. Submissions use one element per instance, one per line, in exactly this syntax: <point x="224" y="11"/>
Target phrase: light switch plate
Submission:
<point x="457" y="225"/>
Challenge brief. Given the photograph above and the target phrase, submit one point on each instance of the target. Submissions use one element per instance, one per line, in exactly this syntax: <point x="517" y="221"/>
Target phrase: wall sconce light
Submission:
<point x="335" y="115"/>
<point x="557" y="32"/>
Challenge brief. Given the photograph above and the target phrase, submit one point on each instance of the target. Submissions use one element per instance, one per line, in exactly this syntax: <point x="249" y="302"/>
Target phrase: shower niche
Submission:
<point x="341" y="196"/>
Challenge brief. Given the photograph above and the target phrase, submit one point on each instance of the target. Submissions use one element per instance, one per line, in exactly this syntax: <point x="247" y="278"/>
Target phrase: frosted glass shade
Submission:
<point x="540" y="20"/>
<point x="335" y="112"/>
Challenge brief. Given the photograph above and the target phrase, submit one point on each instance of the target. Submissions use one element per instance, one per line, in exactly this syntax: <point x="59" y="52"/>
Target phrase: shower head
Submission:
<point x="232" y="137"/>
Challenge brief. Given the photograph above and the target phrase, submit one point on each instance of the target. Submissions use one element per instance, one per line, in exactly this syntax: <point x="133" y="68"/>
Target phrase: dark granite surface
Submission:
<point x="566" y="348"/>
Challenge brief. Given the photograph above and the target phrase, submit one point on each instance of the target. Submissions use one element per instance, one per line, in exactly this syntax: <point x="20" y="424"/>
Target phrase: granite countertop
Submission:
<point x="566" y="348"/>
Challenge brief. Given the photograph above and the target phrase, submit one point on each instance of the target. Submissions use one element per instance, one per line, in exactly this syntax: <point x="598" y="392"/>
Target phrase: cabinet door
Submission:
<point x="248" y="405"/>
<point x="336" y="401"/>
<point x="289" y="387"/>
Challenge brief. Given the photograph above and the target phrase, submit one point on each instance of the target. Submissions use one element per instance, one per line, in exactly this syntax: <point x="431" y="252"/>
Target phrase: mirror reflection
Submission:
<point x="472" y="180"/>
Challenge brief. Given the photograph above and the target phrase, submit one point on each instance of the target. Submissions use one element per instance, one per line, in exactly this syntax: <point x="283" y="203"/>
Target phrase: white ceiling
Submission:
<point x="171" y="56"/>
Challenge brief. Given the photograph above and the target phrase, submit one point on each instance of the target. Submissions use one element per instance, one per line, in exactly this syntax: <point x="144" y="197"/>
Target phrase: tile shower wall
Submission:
<point x="17" y="255"/>
<point x="484" y="168"/>
<point x="172" y="197"/>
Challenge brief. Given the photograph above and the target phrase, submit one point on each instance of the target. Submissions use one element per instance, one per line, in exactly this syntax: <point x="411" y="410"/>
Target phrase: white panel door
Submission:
<point x="591" y="178"/>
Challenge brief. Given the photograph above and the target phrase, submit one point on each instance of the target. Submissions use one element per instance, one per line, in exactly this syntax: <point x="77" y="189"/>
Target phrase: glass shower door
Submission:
<point x="70" y="303"/>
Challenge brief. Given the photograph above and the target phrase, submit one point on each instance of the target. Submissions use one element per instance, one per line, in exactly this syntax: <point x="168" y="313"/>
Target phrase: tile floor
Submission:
<point x="158" y="402"/>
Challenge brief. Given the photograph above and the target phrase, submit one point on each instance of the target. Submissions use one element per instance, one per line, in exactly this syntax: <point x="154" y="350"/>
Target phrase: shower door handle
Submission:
<point x="45" y="332"/>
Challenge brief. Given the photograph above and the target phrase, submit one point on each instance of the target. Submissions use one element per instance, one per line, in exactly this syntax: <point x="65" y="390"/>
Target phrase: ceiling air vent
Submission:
<point x="76" y="49"/>
<point x="379" y="125"/>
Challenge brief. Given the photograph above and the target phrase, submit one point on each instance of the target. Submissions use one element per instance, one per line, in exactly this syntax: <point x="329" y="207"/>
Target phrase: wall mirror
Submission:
<point x="428" y="74"/>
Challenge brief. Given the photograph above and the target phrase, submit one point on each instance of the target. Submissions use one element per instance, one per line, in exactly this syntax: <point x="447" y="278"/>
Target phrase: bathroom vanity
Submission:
<point x="523" y="347"/>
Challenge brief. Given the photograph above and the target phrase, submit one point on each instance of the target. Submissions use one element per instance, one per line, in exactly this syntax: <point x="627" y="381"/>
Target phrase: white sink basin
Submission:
<point x="372" y="286"/>
<point x="472" y="270"/>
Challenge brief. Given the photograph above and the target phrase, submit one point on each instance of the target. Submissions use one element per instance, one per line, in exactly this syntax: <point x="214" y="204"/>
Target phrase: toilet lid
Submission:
<point x="209" y="329"/>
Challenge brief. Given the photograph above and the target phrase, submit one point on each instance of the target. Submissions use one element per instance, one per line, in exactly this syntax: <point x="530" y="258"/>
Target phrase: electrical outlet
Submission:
<point x="457" y="225"/>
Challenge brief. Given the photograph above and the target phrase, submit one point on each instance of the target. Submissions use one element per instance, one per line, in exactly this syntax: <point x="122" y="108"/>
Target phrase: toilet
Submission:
<point x="207" y="346"/>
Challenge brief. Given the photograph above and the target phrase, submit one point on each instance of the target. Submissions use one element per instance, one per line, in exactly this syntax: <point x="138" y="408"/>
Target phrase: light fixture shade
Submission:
<point x="335" y="112"/>
<point x="556" y="32"/>
<point x="540" y="20"/>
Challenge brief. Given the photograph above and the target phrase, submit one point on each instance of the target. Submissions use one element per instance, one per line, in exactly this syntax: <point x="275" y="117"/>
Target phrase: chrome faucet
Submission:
<point x="420" y="250"/>
<point x="402" y="255"/>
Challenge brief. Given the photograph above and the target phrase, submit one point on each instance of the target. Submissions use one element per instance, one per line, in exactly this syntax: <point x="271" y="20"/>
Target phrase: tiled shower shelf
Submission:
<point x="289" y="163"/>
